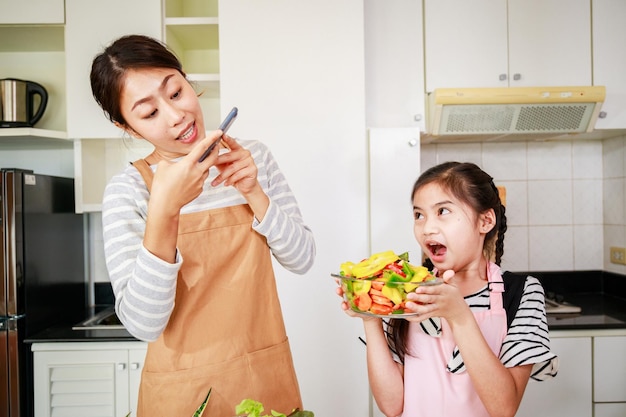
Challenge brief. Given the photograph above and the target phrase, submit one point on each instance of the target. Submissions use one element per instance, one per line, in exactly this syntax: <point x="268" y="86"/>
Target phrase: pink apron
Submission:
<point x="429" y="388"/>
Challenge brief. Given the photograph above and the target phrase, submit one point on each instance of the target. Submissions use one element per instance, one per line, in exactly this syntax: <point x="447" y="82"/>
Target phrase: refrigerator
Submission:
<point x="43" y="274"/>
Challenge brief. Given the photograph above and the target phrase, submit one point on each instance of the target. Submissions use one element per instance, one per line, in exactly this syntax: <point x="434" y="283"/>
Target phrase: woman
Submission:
<point x="188" y="244"/>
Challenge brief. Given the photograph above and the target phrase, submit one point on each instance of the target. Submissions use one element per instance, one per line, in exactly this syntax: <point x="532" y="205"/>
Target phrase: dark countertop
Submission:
<point x="63" y="332"/>
<point x="600" y="295"/>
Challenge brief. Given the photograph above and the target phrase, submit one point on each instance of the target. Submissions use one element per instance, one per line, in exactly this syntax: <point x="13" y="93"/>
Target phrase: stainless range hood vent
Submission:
<point x="520" y="110"/>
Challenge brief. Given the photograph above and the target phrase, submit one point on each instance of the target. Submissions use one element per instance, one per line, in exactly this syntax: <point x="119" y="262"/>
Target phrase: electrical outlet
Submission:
<point x="618" y="255"/>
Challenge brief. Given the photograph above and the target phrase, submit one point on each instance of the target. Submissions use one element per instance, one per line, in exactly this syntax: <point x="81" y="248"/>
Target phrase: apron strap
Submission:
<point x="146" y="172"/>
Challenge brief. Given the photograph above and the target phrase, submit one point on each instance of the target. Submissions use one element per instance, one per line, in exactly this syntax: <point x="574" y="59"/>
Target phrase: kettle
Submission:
<point x="17" y="102"/>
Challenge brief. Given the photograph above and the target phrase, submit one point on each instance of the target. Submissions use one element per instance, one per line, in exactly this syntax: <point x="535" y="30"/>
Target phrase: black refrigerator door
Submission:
<point x="12" y="395"/>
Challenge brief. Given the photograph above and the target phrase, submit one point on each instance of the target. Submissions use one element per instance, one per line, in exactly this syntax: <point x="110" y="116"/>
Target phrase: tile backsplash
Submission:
<point x="565" y="199"/>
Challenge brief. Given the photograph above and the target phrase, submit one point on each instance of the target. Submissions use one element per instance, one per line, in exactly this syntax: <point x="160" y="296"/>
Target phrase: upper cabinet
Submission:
<point x="507" y="43"/>
<point x="31" y="12"/>
<point x="90" y="26"/>
<point x="190" y="28"/>
<point x="609" y="60"/>
<point x="394" y="67"/>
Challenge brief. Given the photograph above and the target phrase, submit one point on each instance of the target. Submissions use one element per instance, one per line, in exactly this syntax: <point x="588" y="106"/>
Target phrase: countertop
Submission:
<point x="601" y="296"/>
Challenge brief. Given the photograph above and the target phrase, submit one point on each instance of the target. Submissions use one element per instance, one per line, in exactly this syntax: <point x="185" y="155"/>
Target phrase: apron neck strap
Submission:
<point x="144" y="169"/>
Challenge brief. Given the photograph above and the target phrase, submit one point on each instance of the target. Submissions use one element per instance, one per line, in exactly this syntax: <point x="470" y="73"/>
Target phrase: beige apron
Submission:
<point x="226" y="331"/>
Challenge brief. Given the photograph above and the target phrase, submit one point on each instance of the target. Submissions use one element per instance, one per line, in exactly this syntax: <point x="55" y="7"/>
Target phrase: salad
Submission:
<point x="378" y="285"/>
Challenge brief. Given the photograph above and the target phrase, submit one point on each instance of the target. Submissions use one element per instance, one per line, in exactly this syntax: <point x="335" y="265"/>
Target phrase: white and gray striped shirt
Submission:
<point x="144" y="285"/>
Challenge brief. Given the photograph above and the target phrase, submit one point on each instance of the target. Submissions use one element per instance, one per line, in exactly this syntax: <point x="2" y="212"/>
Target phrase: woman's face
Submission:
<point x="160" y="105"/>
<point x="448" y="231"/>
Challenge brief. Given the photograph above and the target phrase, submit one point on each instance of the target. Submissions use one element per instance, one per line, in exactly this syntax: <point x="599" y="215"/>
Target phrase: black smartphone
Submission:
<point x="230" y="118"/>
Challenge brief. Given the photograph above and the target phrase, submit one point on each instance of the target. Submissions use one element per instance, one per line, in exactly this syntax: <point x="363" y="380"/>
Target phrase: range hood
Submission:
<point x="513" y="110"/>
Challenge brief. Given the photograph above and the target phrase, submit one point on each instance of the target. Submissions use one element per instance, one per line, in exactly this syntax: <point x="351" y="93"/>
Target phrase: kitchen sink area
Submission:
<point x="104" y="320"/>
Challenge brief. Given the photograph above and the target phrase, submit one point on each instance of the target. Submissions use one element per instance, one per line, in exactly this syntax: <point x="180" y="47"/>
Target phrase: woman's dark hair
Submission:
<point x="474" y="187"/>
<point x="109" y="68"/>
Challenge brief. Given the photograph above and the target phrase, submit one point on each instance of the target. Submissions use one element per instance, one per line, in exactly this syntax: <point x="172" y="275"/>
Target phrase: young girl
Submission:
<point x="188" y="244"/>
<point x="460" y="356"/>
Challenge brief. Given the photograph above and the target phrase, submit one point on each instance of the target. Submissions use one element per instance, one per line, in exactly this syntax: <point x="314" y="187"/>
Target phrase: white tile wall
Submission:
<point x="566" y="201"/>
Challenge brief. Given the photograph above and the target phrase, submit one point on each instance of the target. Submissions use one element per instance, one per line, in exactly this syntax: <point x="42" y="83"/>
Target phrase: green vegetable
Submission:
<point x="251" y="408"/>
<point x="200" y="409"/>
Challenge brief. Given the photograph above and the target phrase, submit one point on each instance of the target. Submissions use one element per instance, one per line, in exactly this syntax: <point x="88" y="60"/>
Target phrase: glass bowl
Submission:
<point x="378" y="298"/>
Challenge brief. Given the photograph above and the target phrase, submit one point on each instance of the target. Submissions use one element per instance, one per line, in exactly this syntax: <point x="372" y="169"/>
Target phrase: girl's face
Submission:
<point x="160" y="105"/>
<point x="449" y="232"/>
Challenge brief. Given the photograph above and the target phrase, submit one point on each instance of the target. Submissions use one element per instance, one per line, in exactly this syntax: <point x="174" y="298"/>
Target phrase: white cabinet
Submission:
<point x="501" y="43"/>
<point x="394" y="66"/>
<point x="96" y="161"/>
<point x="609" y="370"/>
<point x="90" y="26"/>
<point x="609" y="60"/>
<point x="609" y="410"/>
<point x="569" y="393"/>
<point x="191" y="29"/>
<point x="394" y="161"/>
<point x="31" y="11"/>
<point x="87" y="378"/>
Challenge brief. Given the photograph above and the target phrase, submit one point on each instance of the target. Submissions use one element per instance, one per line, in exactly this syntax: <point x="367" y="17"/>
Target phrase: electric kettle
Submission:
<point x="18" y="104"/>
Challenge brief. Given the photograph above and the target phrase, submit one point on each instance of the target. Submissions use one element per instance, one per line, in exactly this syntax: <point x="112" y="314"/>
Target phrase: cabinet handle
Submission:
<point x="517" y="77"/>
<point x="413" y="143"/>
<point x="121" y="366"/>
<point x="602" y="115"/>
<point x="417" y="117"/>
<point x="134" y="366"/>
<point x="502" y="77"/>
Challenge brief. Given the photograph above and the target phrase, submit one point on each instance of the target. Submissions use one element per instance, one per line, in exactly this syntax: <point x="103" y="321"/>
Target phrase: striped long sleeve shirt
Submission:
<point x="145" y="285"/>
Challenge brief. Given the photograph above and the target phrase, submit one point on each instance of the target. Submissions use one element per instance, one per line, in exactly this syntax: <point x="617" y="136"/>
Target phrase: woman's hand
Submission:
<point x="237" y="168"/>
<point x="443" y="300"/>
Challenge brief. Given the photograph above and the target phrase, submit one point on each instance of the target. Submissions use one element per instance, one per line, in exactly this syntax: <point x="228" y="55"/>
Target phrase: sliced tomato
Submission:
<point x="380" y="309"/>
<point x="363" y="302"/>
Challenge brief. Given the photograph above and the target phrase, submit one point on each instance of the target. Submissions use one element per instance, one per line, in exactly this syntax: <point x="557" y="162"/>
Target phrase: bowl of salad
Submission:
<point x="378" y="286"/>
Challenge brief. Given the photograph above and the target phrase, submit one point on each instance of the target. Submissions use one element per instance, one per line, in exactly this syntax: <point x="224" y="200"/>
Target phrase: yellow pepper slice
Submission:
<point x="374" y="264"/>
<point x="393" y="294"/>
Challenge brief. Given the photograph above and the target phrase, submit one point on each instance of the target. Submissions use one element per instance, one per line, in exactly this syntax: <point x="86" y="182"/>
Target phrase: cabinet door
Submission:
<point x="394" y="66"/>
<point x="569" y="393"/>
<point x="465" y="43"/>
<point x="549" y="42"/>
<point x="394" y="167"/>
<point x="91" y="25"/>
<point x="609" y="60"/>
<point x="81" y="383"/>
<point x="31" y="11"/>
<point x="609" y="364"/>
<point x="609" y="410"/>
<point x="136" y="358"/>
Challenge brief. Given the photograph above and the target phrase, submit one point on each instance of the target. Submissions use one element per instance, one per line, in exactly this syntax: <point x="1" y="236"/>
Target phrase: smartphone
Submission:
<point x="228" y="121"/>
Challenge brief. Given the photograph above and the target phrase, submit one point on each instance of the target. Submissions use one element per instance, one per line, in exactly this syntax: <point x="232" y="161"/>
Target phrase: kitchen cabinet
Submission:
<point x="191" y="29"/>
<point x="90" y="26"/>
<point x="32" y="11"/>
<point x="609" y="60"/>
<point x="609" y="364"/>
<point x="502" y="43"/>
<point x="96" y="161"/>
<point x="394" y="67"/>
<point x="569" y="393"/>
<point x="87" y="378"/>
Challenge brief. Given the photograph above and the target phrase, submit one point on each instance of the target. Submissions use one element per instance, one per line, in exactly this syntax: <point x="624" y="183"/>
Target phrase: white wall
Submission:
<point x="295" y="71"/>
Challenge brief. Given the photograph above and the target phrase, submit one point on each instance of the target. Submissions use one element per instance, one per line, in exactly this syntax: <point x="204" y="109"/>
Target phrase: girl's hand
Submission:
<point x="443" y="300"/>
<point x="237" y="168"/>
<point x="346" y="308"/>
